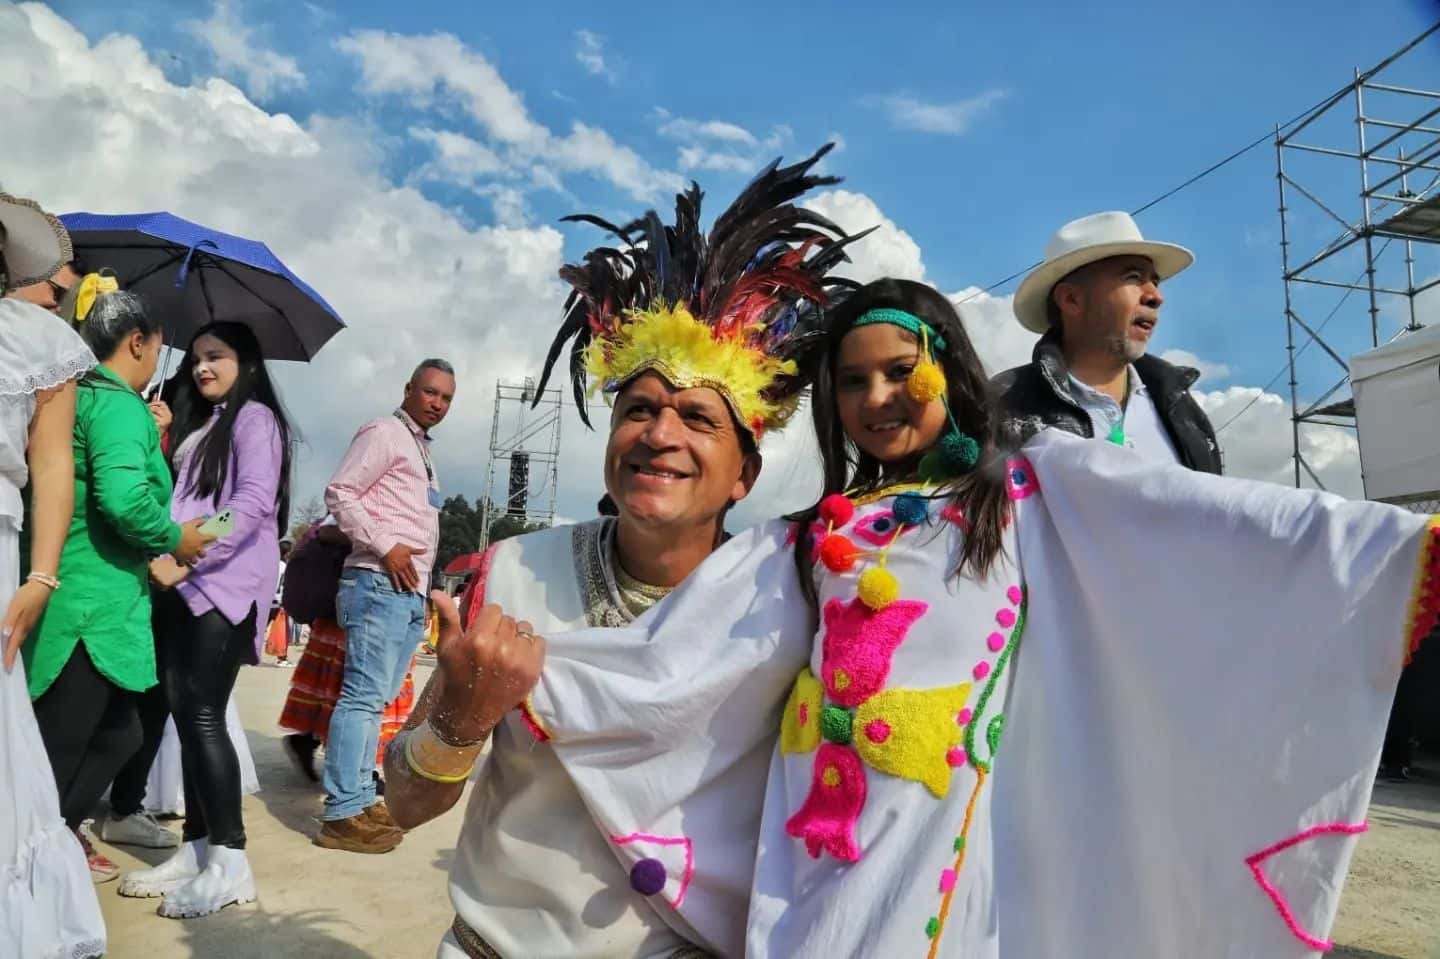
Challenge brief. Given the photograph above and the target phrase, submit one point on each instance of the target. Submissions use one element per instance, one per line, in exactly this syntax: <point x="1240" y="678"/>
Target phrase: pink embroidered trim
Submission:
<point x="1020" y="479"/>
<point x="1425" y="600"/>
<point x="532" y="721"/>
<point x="667" y="841"/>
<point x="1276" y="896"/>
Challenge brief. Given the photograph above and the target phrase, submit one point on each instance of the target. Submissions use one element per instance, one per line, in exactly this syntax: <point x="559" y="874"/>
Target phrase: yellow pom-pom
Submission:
<point x="878" y="588"/>
<point x="926" y="383"/>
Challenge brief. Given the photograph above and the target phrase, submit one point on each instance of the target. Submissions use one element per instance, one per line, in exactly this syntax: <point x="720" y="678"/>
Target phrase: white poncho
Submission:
<point x="1194" y="675"/>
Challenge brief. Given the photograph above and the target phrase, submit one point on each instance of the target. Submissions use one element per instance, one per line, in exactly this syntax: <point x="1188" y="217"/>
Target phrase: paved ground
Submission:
<point x="333" y="905"/>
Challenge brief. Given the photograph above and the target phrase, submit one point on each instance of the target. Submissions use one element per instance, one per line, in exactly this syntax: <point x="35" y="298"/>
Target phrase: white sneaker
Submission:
<point x="174" y="872"/>
<point x="226" y="879"/>
<point x="137" y="829"/>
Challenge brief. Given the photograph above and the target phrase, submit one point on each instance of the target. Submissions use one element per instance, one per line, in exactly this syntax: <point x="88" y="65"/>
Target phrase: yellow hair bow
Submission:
<point x="90" y="288"/>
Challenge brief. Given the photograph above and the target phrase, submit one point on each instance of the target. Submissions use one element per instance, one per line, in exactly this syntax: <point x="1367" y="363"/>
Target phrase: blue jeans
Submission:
<point x="382" y="628"/>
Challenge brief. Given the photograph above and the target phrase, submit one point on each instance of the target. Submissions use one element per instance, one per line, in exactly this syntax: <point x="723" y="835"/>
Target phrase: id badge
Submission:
<point x="434" y="494"/>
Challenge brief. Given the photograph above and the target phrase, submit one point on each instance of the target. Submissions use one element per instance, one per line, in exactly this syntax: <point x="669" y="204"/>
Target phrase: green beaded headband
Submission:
<point x="904" y="320"/>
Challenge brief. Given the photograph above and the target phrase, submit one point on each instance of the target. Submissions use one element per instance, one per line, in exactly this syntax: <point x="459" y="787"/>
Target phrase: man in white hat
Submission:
<point x="1096" y="301"/>
<point x="30" y="235"/>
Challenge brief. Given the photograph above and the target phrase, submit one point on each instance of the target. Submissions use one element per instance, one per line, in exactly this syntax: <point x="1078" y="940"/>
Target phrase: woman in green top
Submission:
<point x="92" y="652"/>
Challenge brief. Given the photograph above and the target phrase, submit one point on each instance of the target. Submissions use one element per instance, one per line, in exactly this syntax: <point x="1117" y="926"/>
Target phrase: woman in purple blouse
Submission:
<point x="230" y="449"/>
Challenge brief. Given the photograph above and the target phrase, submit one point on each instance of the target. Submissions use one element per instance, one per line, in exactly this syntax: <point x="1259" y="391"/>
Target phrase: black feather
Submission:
<point x="754" y="238"/>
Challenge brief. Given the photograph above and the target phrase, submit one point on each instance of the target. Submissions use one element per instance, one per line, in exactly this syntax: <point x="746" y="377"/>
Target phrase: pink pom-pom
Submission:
<point x="982" y="669"/>
<point x="996" y="642"/>
<point x="1006" y="618"/>
<point x="947" y="880"/>
<point x="1014" y="595"/>
<point x="964" y="716"/>
<point x="836" y="510"/>
<point x="956" y="757"/>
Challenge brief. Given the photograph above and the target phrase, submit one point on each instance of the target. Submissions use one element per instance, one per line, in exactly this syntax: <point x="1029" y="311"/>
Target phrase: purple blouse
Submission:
<point x="240" y="570"/>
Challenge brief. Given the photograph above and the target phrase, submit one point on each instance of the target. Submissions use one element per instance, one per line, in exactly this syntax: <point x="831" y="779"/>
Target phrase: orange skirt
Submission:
<point x="315" y="689"/>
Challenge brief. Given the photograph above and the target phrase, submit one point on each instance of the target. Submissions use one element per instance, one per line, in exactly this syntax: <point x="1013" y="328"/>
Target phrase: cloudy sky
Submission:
<point x="413" y="167"/>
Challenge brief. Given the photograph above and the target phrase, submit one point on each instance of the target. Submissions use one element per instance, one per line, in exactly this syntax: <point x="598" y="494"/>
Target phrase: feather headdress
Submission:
<point x="738" y="310"/>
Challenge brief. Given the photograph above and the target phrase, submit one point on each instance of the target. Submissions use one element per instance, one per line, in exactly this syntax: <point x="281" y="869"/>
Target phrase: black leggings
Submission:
<point x="90" y="727"/>
<point x="202" y="657"/>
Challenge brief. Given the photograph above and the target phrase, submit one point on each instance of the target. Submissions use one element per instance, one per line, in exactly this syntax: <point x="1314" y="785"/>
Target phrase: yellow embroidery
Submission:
<point x="800" y="728"/>
<point x="909" y="733"/>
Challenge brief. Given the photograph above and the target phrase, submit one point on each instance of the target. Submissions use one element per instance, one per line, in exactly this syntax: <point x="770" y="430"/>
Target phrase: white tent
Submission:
<point x="1397" y="411"/>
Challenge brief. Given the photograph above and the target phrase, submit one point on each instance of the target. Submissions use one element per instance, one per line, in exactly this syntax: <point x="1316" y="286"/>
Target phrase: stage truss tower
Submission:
<point x="1384" y="138"/>
<point x="525" y="452"/>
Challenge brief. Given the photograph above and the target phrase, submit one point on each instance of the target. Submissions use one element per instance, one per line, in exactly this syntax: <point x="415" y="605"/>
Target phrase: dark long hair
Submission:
<point x="981" y="494"/>
<point x="215" y="456"/>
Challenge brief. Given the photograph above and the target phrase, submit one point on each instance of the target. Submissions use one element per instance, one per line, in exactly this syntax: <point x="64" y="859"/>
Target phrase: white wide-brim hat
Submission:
<point x="35" y="243"/>
<point x="1084" y="241"/>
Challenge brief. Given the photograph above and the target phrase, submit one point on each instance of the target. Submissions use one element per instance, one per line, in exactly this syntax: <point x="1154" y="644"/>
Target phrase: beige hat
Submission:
<point x="35" y="244"/>
<point x="1086" y="240"/>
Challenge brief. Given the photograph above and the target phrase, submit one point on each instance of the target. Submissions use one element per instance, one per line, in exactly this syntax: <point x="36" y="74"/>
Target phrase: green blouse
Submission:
<point x="121" y="520"/>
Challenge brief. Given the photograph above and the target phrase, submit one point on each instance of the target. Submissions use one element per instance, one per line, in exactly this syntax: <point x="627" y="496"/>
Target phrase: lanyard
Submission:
<point x="424" y="453"/>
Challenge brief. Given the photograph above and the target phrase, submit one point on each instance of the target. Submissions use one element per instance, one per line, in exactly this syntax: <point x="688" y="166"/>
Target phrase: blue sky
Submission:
<point x="976" y="131"/>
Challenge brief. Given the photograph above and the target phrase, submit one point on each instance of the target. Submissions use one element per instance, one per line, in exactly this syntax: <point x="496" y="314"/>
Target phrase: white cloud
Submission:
<point x="233" y="45"/>
<point x="889" y="251"/>
<point x="952" y="119"/>
<point x="588" y="149"/>
<point x="1259" y="445"/>
<point x="686" y="129"/>
<point x="1208" y="370"/>
<point x="458" y="158"/>
<point x="699" y="158"/>
<point x="422" y="69"/>
<point x="591" y="55"/>
<point x="410" y="277"/>
<point x="721" y="146"/>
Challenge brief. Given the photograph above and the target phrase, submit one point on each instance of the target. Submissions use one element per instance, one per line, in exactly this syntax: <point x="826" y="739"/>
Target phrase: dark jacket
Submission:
<point x="1037" y="395"/>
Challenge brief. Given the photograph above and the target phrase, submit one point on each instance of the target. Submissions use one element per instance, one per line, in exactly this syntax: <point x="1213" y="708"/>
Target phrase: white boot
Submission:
<point x="225" y="879"/>
<point x="179" y="869"/>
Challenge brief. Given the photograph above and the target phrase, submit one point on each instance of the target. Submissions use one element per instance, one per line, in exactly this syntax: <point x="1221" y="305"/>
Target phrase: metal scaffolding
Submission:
<point x="1391" y="147"/>
<point x="530" y="447"/>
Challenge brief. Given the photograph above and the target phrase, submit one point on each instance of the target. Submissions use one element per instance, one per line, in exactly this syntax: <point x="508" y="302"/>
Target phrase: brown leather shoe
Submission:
<point x="359" y="833"/>
<point x="380" y="813"/>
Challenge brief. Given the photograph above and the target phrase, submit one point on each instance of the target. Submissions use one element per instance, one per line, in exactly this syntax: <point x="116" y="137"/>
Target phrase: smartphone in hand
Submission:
<point x="221" y="524"/>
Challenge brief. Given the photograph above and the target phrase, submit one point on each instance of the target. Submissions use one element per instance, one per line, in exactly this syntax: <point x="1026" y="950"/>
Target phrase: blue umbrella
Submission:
<point x="192" y="276"/>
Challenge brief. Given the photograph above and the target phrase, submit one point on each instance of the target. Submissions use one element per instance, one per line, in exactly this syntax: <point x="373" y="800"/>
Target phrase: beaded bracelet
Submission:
<point x="45" y="579"/>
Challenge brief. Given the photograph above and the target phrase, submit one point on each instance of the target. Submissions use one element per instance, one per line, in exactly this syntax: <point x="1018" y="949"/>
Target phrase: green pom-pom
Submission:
<point x="959" y="843"/>
<point x="932" y="928"/>
<point x="959" y="453"/>
<point x="835" y="724"/>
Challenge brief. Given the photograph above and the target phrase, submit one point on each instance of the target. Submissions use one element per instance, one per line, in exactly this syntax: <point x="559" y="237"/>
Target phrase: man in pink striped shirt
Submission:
<point x="385" y="496"/>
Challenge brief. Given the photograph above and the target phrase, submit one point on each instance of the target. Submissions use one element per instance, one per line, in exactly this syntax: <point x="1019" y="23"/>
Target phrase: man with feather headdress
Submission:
<point x="695" y="341"/>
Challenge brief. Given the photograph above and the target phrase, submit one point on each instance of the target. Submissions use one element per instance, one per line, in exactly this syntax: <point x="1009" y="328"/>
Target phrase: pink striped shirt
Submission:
<point x="381" y="492"/>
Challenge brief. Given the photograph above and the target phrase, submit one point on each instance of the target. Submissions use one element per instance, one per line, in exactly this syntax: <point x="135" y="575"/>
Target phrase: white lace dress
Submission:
<point x="48" y="907"/>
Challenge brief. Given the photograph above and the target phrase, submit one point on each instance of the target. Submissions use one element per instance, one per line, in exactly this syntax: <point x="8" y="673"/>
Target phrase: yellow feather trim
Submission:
<point x="686" y="352"/>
